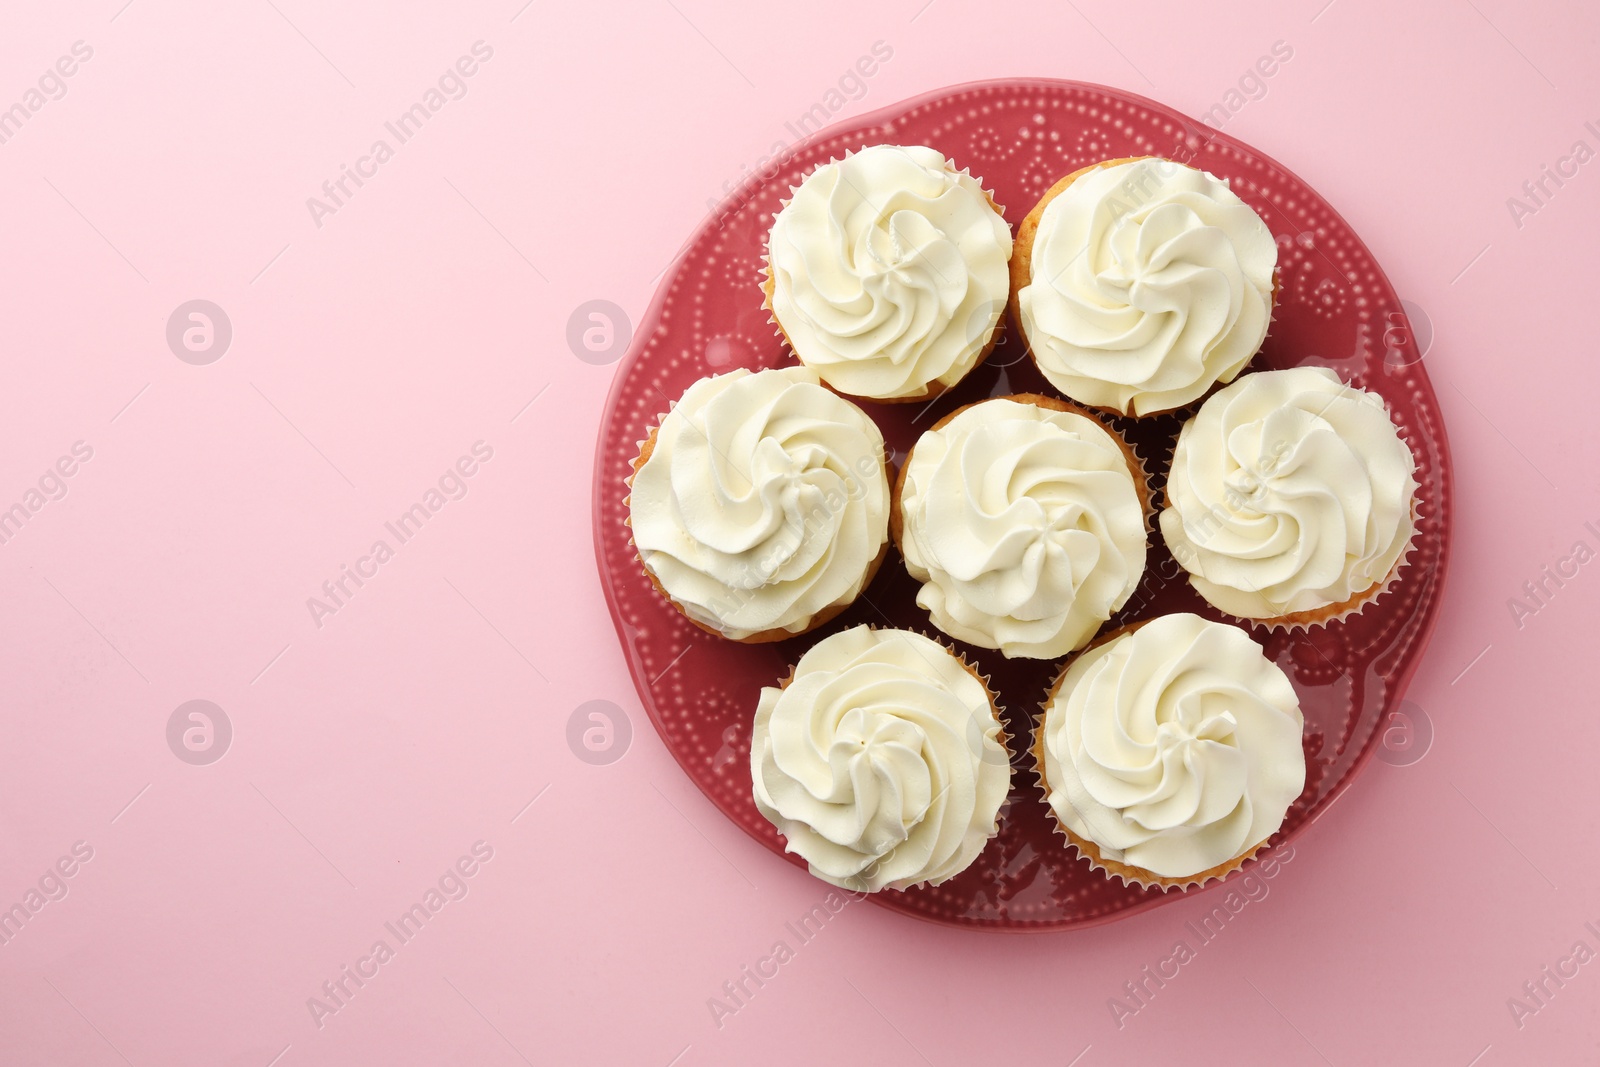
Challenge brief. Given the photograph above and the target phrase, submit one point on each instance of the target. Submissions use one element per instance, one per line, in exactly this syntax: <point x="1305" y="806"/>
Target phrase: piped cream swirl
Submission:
<point x="1175" y="748"/>
<point x="888" y="271"/>
<point x="1148" y="283"/>
<point x="881" y="761"/>
<point x="1290" y="491"/>
<point x="1024" y="525"/>
<point x="764" y="501"/>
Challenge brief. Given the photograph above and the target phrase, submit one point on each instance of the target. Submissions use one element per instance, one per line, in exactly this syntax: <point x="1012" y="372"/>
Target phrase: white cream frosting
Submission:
<point x="889" y="271"/>
<point x="1174" y="748"/>
<point x="1149" y="282"/>
<point x="1289" y="491"/>
<point x="764" y="501"/>
<point x="881" y="761"/>
<point x="1024" y="525"/>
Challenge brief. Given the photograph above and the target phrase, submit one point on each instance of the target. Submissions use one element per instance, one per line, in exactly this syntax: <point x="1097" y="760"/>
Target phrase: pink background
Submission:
<point x="430" y="312"/>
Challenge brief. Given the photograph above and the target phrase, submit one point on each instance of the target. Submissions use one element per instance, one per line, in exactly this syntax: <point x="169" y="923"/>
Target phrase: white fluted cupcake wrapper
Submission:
<point x="1287" y="624"/>
<point x="1088" y="851"/>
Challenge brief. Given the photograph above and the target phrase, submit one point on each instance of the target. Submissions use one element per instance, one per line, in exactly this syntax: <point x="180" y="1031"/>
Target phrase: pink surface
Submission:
<point x="371" y="754"/>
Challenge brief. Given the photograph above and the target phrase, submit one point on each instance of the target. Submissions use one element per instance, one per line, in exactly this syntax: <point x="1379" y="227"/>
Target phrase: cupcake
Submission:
<point x="1024" y="518"/>
<point x="886" y="273"/>
<point x="1141" y="283"/>
<point x="760" y="504"/>
<point x="881" y="760"/>
<point x="1291" y="498"/>
<point x="1170" y="753"/>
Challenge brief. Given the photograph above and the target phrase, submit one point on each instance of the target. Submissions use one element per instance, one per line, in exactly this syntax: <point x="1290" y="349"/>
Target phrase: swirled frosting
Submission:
<point x="1289" y="491"/>
<point x="763" y="501"/>
<point x="1024" y="525"/>
<point x="881" y="761"/>
<point x="888" y="271"/>
<point x="1148" y="283"/>
<point x="1174" y="748"/>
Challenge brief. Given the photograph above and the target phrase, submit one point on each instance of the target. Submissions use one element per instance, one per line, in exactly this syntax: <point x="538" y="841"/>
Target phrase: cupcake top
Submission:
<point x="1289" y="492"/>
<point x="1024" y="524"/>
<point x="1174" y="748"/>
<point x="762" y="500"/>
<point x="888" y="271"/>
<point x="881" y="761"/>
<point x="1149" y="282"/>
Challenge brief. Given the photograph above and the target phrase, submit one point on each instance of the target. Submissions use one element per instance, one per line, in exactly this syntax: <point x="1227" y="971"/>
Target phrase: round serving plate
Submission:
<point x="1335" y="309"/>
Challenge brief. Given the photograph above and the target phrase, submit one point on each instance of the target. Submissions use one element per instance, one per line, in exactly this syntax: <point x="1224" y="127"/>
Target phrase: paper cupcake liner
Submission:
<point x="996" y="709"/>
<point x="1022" y="276"/>
<point x="1144" y="879"/>
<point x="645" y="447"/>
<point x="764" y="637"/>
<point x="1316" y="618"/>
<point x="1340" y="612"/>
<point x="1125" y="873"/>
<point x="934" y="389"/>
<point x="1354" y="606"/>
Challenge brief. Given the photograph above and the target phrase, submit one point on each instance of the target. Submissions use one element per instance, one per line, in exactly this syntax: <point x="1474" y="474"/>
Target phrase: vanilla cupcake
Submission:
<point x="886" y="273"/>
<point x="1025" y="520"/>
<point x="1291" y="498"/>
<point x="1171" y="752"/>
<point x="1141" y="283"/>
<point x="760" y="504"/>
<point x="881" y="760"/>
